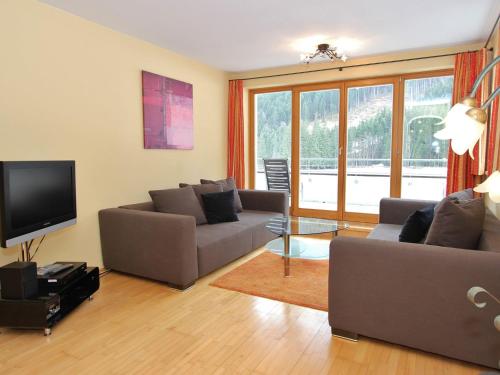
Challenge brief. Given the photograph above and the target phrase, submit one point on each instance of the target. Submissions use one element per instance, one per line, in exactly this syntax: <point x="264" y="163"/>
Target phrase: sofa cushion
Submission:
<point x="417" y="224"/>
<point x="257" y="220"/>
<point x="462" y="195"/>
<point x="200" y="189"/>
<point x="387" y="232"/>
<point x="180" y="201"/>
<point x="490" y="236"/>
<point x="227" y="184"/>
<point x="219" y="207"/>
<point x="457" y="224"/>
<point x="222" y="243"/>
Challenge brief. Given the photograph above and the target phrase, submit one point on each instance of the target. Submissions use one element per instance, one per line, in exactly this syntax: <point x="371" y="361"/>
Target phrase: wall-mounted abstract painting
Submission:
<point x="168" y="112"/>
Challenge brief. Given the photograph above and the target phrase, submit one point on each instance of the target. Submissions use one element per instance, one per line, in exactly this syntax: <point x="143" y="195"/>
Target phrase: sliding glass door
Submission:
<point x="425" y="158"/>
<point x="272" y="131"/>
<point x="319" y="147"/>
<point x="349" y="144"/>
<point x="368" y="147"/>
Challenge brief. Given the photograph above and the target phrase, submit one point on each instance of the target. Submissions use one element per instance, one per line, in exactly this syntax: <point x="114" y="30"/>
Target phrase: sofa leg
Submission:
<point x="181" y="287"/>
<point x="344" y="334"/>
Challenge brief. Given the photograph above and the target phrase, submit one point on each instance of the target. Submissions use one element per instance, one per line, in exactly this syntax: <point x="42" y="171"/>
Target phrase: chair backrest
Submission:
<point x="277" y="175"/>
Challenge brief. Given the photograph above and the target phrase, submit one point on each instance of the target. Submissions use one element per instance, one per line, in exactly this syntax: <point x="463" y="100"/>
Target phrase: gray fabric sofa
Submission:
<point x="136" y="239"/>
<point x="415" y="294"/>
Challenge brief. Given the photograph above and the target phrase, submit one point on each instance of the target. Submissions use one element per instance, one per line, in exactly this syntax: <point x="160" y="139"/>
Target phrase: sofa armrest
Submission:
<point x="150" y="244"/>
<point x="264" y="200"/>
<point x="415" y="295"/>
<point x="396" y="210"/>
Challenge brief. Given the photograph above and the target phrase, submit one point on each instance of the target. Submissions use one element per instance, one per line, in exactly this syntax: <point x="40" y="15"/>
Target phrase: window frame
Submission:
<point x="398" y="82"/>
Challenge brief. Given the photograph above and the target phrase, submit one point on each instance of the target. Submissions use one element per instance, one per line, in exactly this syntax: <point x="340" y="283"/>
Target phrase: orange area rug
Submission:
<point x="262" y="276"/>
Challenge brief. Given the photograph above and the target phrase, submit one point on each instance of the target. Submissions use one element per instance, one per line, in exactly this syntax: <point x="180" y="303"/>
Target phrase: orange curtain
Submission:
<point x="462" y="170"/>
<point x="235" y="134"/>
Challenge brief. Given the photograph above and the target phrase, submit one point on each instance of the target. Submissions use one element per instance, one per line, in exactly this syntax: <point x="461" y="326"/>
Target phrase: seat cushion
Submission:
<point x="387" y="232"/>
<point x="257" y="220"/>
<point x="220" y="244"/>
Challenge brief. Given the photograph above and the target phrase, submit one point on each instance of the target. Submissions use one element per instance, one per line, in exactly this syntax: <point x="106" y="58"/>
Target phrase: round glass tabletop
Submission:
<point x="297" y="225"/>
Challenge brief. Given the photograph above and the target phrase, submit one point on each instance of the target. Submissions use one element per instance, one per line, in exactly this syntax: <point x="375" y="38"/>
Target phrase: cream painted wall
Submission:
<point x="348" y="73"/>
<point x="71" y="89"/>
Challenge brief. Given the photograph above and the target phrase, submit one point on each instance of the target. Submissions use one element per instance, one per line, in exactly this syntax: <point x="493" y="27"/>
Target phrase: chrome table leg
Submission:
<point x="286" y="253"/>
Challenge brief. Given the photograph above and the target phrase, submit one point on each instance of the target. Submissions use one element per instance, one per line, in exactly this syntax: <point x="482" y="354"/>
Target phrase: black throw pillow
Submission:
<point x="219" y="207"/>
<point x="417" y="224"/>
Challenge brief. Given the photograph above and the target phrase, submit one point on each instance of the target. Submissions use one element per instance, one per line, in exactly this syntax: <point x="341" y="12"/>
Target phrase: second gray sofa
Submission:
<point x="414" y="294"/>
<point x="136" y="239"/>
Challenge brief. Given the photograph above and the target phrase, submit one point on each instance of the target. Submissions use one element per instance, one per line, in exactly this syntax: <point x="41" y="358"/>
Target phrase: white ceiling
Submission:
<point x="238" y="35"/>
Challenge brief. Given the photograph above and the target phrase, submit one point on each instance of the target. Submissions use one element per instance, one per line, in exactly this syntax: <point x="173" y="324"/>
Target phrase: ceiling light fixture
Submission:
<point x="324" y="51"/>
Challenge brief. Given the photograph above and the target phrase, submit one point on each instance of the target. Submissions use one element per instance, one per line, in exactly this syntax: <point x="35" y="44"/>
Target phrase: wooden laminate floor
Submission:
<point x="136" y="326"/>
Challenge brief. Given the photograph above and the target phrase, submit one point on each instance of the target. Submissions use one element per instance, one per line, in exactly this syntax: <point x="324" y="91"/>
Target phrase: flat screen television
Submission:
<point x="36" y="197"/>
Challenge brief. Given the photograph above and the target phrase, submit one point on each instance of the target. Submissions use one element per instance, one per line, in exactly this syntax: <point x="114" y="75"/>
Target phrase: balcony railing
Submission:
<point x="367" y="179"/>
<point x="422" y="168"/>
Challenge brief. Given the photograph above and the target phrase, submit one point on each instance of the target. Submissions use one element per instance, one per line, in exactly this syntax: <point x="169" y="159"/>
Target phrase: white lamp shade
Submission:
<point x="463" y="130"/>
<point x="491" y="186"/>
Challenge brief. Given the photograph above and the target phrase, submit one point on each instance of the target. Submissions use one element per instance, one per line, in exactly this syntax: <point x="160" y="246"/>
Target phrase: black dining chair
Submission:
<point x="277" y="174"/>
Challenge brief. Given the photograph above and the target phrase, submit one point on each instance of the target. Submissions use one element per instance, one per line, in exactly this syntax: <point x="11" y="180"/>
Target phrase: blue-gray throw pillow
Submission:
<point x="417" y="224"/>
<point x="219" y="207"/>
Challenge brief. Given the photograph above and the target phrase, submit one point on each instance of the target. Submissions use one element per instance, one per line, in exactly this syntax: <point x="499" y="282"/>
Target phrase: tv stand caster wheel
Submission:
<point x="47" y="331"/>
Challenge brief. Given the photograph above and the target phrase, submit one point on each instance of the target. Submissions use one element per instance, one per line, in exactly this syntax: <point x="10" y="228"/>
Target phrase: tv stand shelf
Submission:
<point x="46" y="310"/>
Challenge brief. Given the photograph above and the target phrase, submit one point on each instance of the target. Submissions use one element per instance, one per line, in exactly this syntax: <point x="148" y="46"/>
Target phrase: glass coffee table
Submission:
<point x="298" y="247"/>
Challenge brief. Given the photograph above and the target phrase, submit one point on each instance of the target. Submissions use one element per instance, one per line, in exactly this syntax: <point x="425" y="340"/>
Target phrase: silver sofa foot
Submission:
<point x="344" y="334"/>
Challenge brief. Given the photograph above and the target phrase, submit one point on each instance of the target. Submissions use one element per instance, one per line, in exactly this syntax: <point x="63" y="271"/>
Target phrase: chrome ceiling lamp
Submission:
<point x="466" y="121"/>
<point x="324" y="51"/>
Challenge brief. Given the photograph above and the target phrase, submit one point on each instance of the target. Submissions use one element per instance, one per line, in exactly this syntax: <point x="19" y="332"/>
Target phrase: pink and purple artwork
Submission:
<point x="168" y="112"/>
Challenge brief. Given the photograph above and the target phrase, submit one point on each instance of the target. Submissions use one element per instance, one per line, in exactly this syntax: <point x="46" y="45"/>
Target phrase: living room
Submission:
<point x="314" y="276"/>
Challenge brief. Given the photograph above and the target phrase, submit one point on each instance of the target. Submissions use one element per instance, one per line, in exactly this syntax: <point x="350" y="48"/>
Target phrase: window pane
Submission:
<point x="319" y="137"/>
<point x="425" y="158"/>
<point x="369" y="133"/>
<point x="273" y="131"/>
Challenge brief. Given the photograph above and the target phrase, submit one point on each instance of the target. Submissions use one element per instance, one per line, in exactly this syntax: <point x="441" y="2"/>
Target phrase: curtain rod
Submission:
<point x="340" y="68"/>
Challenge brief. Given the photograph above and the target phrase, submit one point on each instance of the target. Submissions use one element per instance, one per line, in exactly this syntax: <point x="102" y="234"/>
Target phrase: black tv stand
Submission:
<point x="44" y="311"/>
